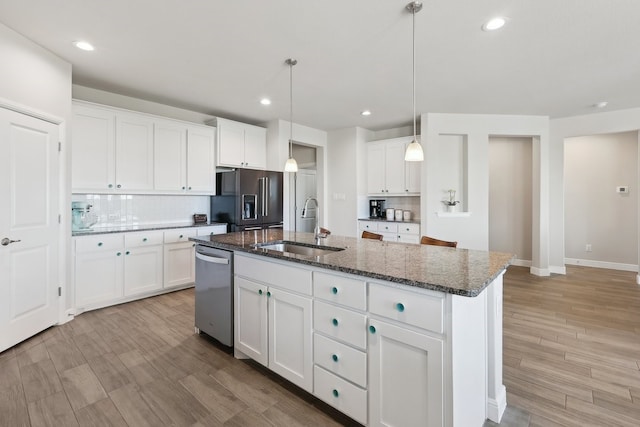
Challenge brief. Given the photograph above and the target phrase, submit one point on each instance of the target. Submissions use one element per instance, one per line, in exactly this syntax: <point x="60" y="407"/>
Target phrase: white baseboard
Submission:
<point x="601" y="264"/>
<point x="69" y="315"/>
<point x="521" y="262"/>
<point x="556" y="269"/>
<point x="543" y="272"/>
<point x="497" y="406"/>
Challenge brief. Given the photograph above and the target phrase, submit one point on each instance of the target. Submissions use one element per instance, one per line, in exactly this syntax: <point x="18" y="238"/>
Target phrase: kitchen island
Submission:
<point x="388" y="333"/>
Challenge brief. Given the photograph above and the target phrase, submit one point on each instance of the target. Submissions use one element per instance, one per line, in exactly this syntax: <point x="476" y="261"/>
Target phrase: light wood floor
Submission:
<point x="572" y="347"/>
<point x="571" y="358"/>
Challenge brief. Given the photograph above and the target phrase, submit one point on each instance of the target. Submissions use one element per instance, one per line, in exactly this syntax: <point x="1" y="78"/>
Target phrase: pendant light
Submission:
<point x="291" y="165"/>
<point x="414" y="151"/>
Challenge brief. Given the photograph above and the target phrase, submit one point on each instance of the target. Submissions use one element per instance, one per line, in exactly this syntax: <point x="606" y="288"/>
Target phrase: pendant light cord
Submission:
<point x="413" y="51"/>
<point x="291" y="64"/>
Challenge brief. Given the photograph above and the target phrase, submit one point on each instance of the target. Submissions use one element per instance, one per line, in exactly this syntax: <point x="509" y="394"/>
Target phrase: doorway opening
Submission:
<point x="303" y="184"/>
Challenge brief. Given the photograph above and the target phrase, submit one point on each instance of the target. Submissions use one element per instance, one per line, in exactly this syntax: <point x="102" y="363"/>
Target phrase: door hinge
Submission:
<point x="59" y="145"/>
<point x="59" y="291"/>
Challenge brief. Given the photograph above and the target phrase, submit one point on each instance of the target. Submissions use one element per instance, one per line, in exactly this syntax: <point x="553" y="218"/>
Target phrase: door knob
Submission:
<point x="7" y="241"/>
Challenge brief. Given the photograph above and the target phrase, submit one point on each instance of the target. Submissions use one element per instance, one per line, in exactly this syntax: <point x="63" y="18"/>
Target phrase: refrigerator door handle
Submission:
<point x="266" y="196"/>
<point x="262" y="200"/>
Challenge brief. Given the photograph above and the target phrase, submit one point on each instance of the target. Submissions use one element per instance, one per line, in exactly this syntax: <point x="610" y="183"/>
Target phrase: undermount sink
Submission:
<point x="298" y="248"/>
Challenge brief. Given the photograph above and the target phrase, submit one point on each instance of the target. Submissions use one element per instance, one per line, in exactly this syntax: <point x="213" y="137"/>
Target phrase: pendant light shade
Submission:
<point x="414" y="151"/>
<point x="291" y="165"/>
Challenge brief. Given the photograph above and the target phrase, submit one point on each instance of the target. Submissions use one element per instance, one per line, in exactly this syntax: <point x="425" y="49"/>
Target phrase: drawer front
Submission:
<point x="340" y="290"/>
<point x="280" y="275"/>
<point x="390" y="237"/>
<point x="409" y="229"/>
<point x="368" y="225"/>
<point x="179" y="235"/>
<point x="210" y="231"/>
<point x="103" y="242"/>
<point x="340" y="394"/>
<point x="340" y="323"/>
<point x="340" y="359"/>
<point x="143" y="238"/>
<point x="423" y="311"/>
<point x="409" y="238"/>
<point x="388" y="227"/>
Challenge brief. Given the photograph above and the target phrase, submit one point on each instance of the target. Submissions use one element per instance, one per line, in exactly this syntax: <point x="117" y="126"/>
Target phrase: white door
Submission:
<point x="29" y="191"/>
<point x="305" y="185"/>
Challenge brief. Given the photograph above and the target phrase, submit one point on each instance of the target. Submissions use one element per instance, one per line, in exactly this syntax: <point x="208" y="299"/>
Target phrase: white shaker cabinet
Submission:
<point x="179" y="257"/>
<point x="241" y="145"/>
<point x="404" y="232"/>
<point x="387" y="171"/>
<point x="143" y="261"/>
<point x="134" y="152"/>
<point x="98" y="270"/>
<point x="250" y="320"/>
<point x="201" y="172"/>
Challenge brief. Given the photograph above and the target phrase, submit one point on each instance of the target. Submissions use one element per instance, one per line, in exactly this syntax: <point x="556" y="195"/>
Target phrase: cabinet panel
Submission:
<point x="368" y="226"/>
<point x="341" y="395"/>
<point x="93" y="149"/>
<point x="230" y="143"/>
<point x="340" y="359"/>
<point x="250" y="319"/>
<point x="179" y="235"/>
<point x="409" y="393"/>
<point x="179" y="264"/>
<point x="170" y="144"/>
<point x="210" y="231"/>
<point x="134" y="152"/>
<point x="104" y="242"/>
<point x="200" y="164"/>
<point x="394" y="168"/>
<point x="281" y="275"/>
<point x="142" y="269"/>
<point x="143" y="238"/>
<point x="98" y="277"/>
<point x="375" y="169"/>
<point x="339" y="323"/>
<point x="255" y="147"/>
<point x="341" y="290"/>
<point x="290" y="334"/>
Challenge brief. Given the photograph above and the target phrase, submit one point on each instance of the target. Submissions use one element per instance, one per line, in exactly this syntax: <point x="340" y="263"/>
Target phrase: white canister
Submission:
<point x="398" y="215"/>
<point x="390" y="213"/>
<point x="406" y="215"/>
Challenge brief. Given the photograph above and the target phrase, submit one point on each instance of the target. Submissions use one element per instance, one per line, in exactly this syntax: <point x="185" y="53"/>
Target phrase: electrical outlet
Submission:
<point x="588" y="247"/>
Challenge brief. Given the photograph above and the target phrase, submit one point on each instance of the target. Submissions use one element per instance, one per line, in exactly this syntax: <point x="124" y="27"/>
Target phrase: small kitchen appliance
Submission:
<point x="390" y="214"/>
<point x="81" y="217"/>
<point x="376" y="208"/>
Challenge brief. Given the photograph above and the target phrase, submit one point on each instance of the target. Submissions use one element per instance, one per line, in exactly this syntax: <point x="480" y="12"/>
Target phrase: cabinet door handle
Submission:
<point x="144" y="239"/>
<point x="334" y="321"/>
<point x="119" y="253"/>
<point x="189" y="188"/>
<point x="259" y="291"/>
<point x="335" y="393"/>
<point x="334" y="290"/>
<point x="181" y="236"/>
<point x="268" y="294"/>
<point x="334" y="357"/>
<point x="119" y="186"/>
<point x="400" y="307"/>
<point x="110" y="185"/>
<point x="99" y="243"/>
<point x="372" y="329"/>
<point x="183" y="188"/>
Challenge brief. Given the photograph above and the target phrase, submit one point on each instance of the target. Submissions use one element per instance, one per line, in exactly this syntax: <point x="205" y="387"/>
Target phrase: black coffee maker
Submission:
<point x="376" y="208"/>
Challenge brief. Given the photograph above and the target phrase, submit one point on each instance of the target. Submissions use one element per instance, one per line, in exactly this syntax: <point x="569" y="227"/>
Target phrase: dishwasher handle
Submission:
<point x="212" y="259"/>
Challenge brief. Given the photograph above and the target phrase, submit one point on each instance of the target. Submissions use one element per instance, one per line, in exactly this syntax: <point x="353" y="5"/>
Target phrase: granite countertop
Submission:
<point x="141" y="227"/>
<point x="457" y="271"/>
<point x="411" y="221"/>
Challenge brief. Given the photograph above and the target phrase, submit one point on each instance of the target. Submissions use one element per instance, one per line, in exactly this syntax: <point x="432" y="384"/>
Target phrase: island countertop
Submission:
<point x="456" y="271"/>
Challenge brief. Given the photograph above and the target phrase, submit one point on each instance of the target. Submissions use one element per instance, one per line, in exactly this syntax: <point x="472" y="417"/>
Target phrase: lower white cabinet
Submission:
<point x="273" y="326"/>
<point x="392" y="231"/>
<point x="405" y="377"/>
<point x="142" y="269"/>
<point x="179" y="264"/>
<point x="98" y="276"/>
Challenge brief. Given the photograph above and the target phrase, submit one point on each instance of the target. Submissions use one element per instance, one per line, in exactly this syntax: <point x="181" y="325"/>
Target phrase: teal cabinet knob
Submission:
<point x="334" y="357"/>
<point x="268" y="294"/>
<point x="181" y="236"/>
<point x="119" y="186"/>
<point x="334" y="290"/>
<point x="211" y="234"/>
<point x="119" y="253"/>
<point x="372" y="329"/>
<point x="400" y="307"/>
<point x="144" y="239"/>
<point x="110" y="185"/>
<point x="334" y="321"/>
<point x="183" y="188"/>
<point x="127" y="253"/>
<point x="99" y="243"/>
<point x="259" y="291"/>
<point x="193" y="246"/>
<point x="335" y="393"/>
<point x="189" y="188"/>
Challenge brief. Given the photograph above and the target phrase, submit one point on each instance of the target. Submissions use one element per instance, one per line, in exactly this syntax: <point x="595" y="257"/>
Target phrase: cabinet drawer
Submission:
<point x="340" y="359"/>
<point x="210" y="231"/>
<point x="103" y="242"/>
<point x="143" y="238"/>
<point x="340" y="394"/>
<point x="340" y="290"/>
<point x="388" y="227"/>
<point x="409" y="238"/>
<point x="280" y="275"/>
<point x="368" y="225"/>
<point x="342" y="324"/>
<point x="409" y="229"/>
<point x="179" y="235"/>
<point x="423" y="311"/>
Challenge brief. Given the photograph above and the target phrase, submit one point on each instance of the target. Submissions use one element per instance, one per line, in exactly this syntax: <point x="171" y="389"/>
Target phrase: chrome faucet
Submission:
<point x="318" y="233"/>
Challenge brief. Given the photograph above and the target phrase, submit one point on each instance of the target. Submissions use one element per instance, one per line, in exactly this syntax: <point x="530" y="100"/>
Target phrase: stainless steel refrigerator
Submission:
<point x="248" y="199"/>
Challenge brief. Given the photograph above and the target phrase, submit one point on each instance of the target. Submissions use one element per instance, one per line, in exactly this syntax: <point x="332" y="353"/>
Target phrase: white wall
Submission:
<point x="33" y="79"/>
<point x="473" y="231"/>
<point x="510" y="196"/>
<point x="594" y="213"/>
<point x="346" y="179"/>
<point x="559" y="130"/>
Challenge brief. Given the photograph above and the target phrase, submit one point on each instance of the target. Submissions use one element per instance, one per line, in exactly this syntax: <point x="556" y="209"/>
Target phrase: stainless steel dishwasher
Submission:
<point x="214" y="293"/>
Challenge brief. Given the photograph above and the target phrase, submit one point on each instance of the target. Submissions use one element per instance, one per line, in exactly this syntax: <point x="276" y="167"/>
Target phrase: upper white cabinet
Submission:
<point x="387" y="171"/>
<point x="117" y="151"/>
<point x="241" y="145"/>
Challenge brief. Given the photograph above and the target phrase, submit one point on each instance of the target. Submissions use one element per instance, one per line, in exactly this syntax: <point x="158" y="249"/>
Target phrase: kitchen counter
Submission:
<point x="455" y="271"/>
<point x="141" y="227"/>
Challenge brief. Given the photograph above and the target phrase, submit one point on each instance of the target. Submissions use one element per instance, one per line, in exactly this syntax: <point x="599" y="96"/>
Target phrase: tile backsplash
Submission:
<point x="406" y="204"/>
<point x="113" y="210"/>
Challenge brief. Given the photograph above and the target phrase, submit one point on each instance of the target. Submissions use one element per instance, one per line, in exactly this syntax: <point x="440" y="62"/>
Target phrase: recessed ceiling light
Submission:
<point x="265" y="101"/>
<point x="494" y="23"/>
<point x="83" y="45"/>
<point x="365" y="113"/>
<point x="601" y="104"/>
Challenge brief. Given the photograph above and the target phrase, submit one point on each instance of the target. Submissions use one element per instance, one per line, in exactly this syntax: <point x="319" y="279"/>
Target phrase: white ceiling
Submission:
<point x="219" y="57"/>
